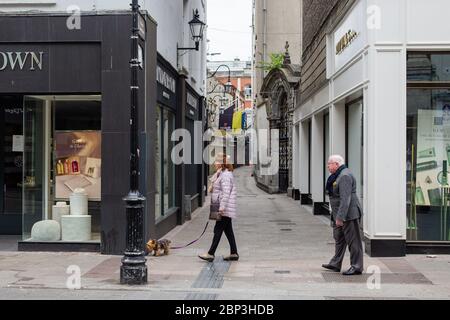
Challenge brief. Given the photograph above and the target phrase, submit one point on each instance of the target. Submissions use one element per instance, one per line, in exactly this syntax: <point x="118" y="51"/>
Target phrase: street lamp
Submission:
<point x="228" y="86"/>
<point x="222" y="99"/>
<point x="197" y="27"/>
<point x="134" y="269"/>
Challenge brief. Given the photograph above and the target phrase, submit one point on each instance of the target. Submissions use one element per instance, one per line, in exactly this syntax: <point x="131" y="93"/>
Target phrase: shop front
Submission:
<point x="166" y="206"/>
<point x="194" y="197"/>
<point x="64" y="99"/>
<point x="385" y="108"/>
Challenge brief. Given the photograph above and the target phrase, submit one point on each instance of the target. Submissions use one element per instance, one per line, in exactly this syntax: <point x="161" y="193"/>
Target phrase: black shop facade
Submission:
<point x="180" y="187"/>
<point x="64" y="106"/>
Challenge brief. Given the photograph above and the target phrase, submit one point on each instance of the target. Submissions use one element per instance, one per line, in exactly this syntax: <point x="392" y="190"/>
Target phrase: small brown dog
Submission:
<point x="158" y="247"/>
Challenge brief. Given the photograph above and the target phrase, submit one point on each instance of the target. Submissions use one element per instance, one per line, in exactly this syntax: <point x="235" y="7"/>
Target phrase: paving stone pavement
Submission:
<point x="281" y="246"/>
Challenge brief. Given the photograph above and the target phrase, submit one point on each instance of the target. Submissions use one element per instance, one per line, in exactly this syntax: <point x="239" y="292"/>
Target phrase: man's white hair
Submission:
<point x="337" y="158"/>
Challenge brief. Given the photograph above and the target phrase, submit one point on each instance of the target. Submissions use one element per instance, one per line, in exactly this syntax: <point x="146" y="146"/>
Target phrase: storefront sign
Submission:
<point x="142" y="26"/>
<point x="349" y="38"/>
<point x="21" y="60"/>
<point x="345" y="41"/>
<point x="165" y="80"/>
<point x="192" y="101"/>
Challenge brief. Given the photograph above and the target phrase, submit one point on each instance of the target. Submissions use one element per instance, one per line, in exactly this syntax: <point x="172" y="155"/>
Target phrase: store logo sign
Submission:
<point x="21" y="60"/>
<point x="345" y="41"/>
<point x="192" y="101"/>
<point x="165" y="80"/>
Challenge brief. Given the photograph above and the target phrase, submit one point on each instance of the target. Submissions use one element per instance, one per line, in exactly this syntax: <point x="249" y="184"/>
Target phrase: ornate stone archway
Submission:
<point x="279" y="89"/>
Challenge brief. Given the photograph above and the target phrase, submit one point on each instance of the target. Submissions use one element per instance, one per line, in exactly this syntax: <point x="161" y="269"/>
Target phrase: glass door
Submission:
<point x="11" y="155"/>
<point x="34" y="163"/>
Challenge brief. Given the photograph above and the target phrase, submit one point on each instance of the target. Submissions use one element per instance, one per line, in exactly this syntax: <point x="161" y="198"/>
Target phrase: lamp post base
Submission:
<point x="133" y="275"/>
<point x="134" y="269"/>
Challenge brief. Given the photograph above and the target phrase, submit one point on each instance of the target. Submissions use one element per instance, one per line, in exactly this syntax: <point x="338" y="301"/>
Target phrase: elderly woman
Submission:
<point x="223" y="191"/>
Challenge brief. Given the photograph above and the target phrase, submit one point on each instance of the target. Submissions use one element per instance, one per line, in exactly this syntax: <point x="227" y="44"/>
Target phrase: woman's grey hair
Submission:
<point x="338" y="159"/>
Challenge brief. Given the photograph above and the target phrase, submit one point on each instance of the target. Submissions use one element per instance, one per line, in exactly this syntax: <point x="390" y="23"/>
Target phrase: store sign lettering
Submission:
<point x="192" y="101"/>
<point x="21" y="60"/>
<point x="345" y="41"/>
<point x="165" y="80"/>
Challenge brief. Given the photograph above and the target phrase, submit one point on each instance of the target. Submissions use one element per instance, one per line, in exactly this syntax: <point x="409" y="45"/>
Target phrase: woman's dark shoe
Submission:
<point x="231" y="257"/>
<point x="330" y="267"/>
<point x="206" y="257"/>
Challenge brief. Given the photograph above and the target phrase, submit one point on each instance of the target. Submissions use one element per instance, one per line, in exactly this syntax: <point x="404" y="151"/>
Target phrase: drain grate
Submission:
<point x="211" y="275"/>
<point x="390" y="278"/>
<point x="285" y="230"/>
<point x="282" y="272"/>
<point x="201" y="296"/>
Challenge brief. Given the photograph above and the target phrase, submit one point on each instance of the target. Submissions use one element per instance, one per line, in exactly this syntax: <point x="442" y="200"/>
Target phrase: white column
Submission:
<point x="337" y="129"/>
<point x="317" y="163"/>
<point x="385" y="108"/>
<point x="295" y="157"/>
<point x="304" y="157"/>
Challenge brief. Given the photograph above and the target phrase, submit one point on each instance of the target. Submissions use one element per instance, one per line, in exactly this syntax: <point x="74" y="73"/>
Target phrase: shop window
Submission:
<point x="424" y="66"/>
<point x="428" y="147"/>
<point x="165" y="169"/>
<point x="62" y="168"/>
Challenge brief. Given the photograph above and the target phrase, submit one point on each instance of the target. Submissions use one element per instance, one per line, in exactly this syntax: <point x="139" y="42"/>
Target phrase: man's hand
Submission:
<point x="339" y="223"/>
<point x="221" y="212"/>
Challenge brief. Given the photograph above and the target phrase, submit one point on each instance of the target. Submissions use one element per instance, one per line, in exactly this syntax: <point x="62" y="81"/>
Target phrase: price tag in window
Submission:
<point x="17" y="143"/>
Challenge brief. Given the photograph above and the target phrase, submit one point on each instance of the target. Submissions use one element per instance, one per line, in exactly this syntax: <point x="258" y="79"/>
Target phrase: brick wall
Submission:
<point x="319" y="16"/>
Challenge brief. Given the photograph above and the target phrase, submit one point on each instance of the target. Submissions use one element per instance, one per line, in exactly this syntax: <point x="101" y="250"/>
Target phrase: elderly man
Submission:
<point x="345" y="217"/>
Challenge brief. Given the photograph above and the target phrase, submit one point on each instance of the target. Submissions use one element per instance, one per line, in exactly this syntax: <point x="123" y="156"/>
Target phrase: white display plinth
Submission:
<point x="76" y="228"/>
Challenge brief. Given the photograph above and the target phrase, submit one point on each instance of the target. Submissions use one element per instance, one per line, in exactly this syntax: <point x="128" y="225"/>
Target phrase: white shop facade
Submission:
<point x="384" y="108"/>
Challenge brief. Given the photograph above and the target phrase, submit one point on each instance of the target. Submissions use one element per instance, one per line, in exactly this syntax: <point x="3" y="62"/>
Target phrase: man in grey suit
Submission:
<point x="345" y="217"/>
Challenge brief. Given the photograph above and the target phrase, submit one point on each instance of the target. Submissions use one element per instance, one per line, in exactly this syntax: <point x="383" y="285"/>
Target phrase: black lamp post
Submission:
<point x="134" y="269"/>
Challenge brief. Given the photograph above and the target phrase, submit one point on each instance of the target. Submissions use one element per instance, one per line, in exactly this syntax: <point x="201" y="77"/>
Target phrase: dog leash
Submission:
<point x="191" y="243"/>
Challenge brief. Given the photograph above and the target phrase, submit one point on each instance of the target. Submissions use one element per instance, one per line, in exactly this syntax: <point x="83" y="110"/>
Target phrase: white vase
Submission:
<point x="79" y="203"/>
<point x="60" y="209"/>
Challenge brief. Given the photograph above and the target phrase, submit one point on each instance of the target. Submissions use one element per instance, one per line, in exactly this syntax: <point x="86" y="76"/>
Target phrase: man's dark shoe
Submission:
<point x="330" y="267"/>
<point x="352" y="272"/>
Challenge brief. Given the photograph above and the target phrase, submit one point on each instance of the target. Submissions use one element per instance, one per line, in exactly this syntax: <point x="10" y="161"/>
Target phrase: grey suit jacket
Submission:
<point x="344" y="201"/>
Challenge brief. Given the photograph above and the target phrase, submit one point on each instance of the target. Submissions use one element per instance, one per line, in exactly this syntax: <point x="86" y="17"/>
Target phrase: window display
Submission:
<point x="428" y="146"/>
<point x="62" y="168"/>
<point x="78" y="163"/>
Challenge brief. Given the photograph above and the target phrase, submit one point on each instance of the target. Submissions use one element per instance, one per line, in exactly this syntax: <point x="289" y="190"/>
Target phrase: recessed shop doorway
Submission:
<point x="11" y="164"/>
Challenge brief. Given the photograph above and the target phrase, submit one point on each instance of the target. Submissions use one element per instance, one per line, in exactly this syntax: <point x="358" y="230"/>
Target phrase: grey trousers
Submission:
<point x="348" y="235"/>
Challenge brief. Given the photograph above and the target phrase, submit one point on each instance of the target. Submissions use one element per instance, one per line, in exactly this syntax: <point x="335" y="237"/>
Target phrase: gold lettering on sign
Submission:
<point x="345" y="41"/>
